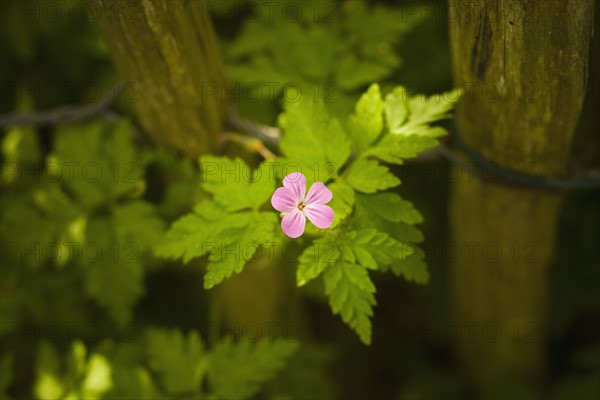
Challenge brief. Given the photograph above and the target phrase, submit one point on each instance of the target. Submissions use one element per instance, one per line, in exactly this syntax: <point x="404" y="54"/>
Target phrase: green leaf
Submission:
<point x="112" y="257"/>
<point x="395" y="149"/>
<point x="366" y="123"/>
<point x="396" y="107"/>
<point x="138" y="222"/>
<point x="179" y="361"/>
<point x="413" y="268"/>
<point x="411" y="115"/>
<point x="48" y="384"/>
<point x="315" y="259"/>
<point x="314" y="172"/>
<point x="310" y="135"/>
<point x="181" y="190"/>
<point x="236" y="371"/>
<point x="55" y="218"/>
<point x="371" y="248"/>
<point x="80" y="376"/>
<point x="187" y="236"/>
<point x="408" y="122"/>
<point x="350" y="292"/>
<point x="234" y="184"/>
<point x="358" y="50"/>
<point x="132" y="379"/>
<point x="113" y="272"/>
<point x="368" y="176"/>
<point x="353" y="72"/>
<point x="97" y="379"/>
<point x="239" y="246"/>
<point x="343" y="265"/>
<point x="308" y="51"/>
<point x="97" y="161"/>
<point x="391" y="207"/>
<point x="341" y="202"/>
<point x="21" y="153"/>
<point x="231" y="239"/>
<point x="383" y="218"/>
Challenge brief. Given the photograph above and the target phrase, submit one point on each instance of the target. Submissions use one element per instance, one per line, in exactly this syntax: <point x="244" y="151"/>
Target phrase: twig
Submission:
<point x="268" y="135"/>
<point x="249" y="142"/>
<point x="69" y="113"/>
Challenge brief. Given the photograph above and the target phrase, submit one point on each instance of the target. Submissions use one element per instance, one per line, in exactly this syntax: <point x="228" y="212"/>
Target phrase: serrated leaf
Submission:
<point x="314" y="171"/>
<point x="366" y="124"/>
<point x="237" y="370"/>
<point x="179" y="361"/>
<point x="310" y="135"/>
<point x="309" y="51"/>
<point x="113" y="271"/>
<point x="355" y="52"/>
<point x="395" y="149"/>
<point x="396" y="108"/>
<point x="315" y="259"/>
<point x="368" y="176"/>
<point x="187" y="236"/>
<point x="238" y="246"/>
<point x="411" y="115"/>
<point x="234" y="184"/>
<point x="350" y="292"/>
<point x="367" y="216"/>
<point x="391" y="207"/>
<point x="413" y="268"/>
<point x="138" y="222"/>
<point x="231" y="239"/>
<point x="113" y="253"/>
<point x="97" y="161"/>
<point x="373" y="249"/>
<point x="352" y="72"/>
<point x="341" y="202"/>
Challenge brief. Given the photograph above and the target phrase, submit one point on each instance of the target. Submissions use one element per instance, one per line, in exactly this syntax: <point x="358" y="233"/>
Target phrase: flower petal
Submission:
<point x="283" y="200"/>
<point x="293" y="223"/>
<point x="296" y="183"/>
<point x="318" y="194"/>
<point x="319" y="214"/>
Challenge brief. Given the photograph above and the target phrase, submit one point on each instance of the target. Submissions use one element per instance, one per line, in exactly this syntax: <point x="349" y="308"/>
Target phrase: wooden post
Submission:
<point x="523" y="65"/>
<point x="167" y="52"/>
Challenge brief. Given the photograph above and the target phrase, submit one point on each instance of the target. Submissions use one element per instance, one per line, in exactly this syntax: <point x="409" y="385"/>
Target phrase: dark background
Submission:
<point x="412" y="355"/>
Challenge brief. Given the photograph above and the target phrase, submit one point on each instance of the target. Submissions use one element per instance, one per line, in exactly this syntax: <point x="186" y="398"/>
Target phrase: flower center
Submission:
<point x="301" y="206"/>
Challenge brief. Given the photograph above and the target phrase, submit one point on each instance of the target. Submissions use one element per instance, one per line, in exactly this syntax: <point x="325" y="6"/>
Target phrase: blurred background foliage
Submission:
<point x="152" y="315"/>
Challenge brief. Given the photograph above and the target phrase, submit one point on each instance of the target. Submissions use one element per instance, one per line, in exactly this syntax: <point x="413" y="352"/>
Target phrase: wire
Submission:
<point x="270" y="136"/>
<point x="64" y="114"/>
<point x="519" y="178"/>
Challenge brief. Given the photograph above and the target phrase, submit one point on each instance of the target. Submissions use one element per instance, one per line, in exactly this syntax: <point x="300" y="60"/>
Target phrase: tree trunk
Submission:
<point x="523" y="66"/>
<point x="167" y="52"/>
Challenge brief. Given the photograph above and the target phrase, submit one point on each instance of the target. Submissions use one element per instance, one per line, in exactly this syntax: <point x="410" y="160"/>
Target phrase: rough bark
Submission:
<point x="523" y="65"/>
<point x="167" y="52"/>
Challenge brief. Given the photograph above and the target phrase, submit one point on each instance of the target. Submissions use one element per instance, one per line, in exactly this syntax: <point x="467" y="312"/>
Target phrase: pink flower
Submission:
<point x="296" y="205"/>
